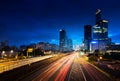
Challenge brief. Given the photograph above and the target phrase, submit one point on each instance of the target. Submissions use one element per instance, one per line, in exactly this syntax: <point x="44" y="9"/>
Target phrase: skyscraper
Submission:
<point x="87" y="32"/>
<point x="100" y="30"/>
<point x="69" y="45"/>
<point x="87" y="36"/>
<point x="62" y="42"/>
<point x="100" y="33"/>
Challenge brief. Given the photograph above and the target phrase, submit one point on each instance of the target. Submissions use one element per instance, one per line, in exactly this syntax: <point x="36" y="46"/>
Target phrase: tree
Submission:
<point x="38" y="52"/>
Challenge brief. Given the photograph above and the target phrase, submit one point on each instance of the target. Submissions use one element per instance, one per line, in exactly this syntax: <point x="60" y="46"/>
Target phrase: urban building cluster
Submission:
<point x="7" y="51"/>
<point x="47" y="47"/>
<point x="96" y="37"/>
<point x="65" y="43"/>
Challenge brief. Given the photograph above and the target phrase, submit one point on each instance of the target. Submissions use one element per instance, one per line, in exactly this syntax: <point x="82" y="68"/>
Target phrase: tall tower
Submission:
<point x="100" y="30"/>
<point x="87" y="32"/>
<point x="87" y="36"/>
<point x="100" y="33"/>
<point x="70" y="44"/>
<point x="62" y="42"/>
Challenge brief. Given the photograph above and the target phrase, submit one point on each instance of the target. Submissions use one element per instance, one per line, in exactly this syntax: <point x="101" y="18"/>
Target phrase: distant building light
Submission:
<point x="97" y="31"/>
<point x="105" y="21"/>
<point x="60" y="29"/>
<point x="93" y="42"/>
<point x="105" y="30"/>
<point x="117" y="43"/>
<point x="97" y="26"/>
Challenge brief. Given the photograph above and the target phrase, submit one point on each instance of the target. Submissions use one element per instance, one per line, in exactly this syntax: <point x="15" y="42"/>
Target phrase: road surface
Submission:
<point x="69" y="68"/>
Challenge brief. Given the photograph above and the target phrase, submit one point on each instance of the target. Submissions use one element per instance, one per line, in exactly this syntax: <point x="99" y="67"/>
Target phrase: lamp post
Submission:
<point x="11" y="53"/>
<point x="3" y="52"/>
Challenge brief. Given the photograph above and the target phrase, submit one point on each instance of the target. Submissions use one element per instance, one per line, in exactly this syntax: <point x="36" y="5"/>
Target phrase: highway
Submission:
<point x="70" y="68"/>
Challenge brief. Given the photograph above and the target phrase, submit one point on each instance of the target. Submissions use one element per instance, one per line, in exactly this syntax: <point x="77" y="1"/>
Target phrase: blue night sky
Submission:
<point x="32" y="21"/>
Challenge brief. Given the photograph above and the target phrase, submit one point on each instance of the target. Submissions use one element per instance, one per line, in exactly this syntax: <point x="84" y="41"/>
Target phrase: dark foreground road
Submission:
<point x="69" y="68"/>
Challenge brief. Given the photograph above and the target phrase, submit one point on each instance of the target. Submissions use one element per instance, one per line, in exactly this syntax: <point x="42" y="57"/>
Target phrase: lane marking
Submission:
<point x="70" y="72"/>
<point x="82" y="72"/>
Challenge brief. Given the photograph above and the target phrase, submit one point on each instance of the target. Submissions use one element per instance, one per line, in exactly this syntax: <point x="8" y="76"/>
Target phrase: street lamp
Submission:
<point x="3" y="52"/>
<point x="11" y="51"/>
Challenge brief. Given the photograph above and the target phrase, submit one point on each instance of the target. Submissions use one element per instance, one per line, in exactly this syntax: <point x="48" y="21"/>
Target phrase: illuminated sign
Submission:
<point x="30" y="50"/>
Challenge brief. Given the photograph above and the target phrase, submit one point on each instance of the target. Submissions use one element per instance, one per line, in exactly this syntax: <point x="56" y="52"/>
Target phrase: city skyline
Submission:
<point x="25" y="22"/>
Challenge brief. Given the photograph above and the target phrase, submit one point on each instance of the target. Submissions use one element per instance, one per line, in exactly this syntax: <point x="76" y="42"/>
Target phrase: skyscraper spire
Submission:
<point x="98" y="17"/>
<point x="98" y="11"/>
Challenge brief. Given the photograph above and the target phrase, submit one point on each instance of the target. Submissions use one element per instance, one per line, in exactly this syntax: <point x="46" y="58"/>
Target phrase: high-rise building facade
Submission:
<point x="87" y="36"/>
<point x="69" y="45"/>
<point x="87" y="32"/>
<point x="100" y="33"/>
<point x="100" y="30"/>
<point x="105" y="29"/>
<point x="62" y="42"/>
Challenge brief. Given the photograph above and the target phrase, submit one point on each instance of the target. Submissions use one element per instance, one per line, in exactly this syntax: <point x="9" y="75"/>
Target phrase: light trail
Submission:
<point x="54" y="67"/>
<point x="83" y="73"/>
<point x="76" y="70"/>
<point x="70" y="68"/>
<point x="81" y="68"/>
<point x="63" y="72"/>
